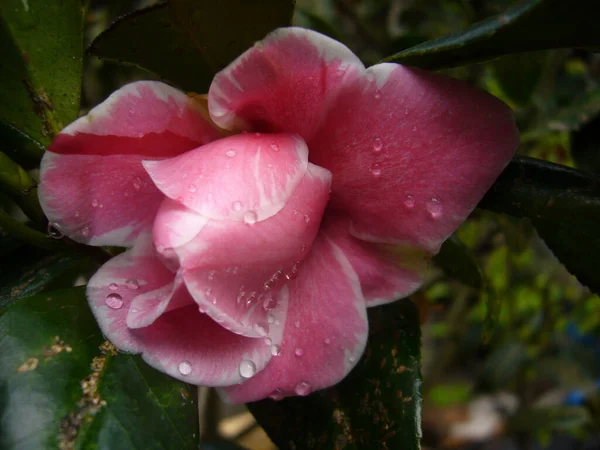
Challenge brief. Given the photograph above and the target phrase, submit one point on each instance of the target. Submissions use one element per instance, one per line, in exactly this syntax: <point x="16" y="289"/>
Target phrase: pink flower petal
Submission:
<point x="386" y="273"/>
<point x="412" y="153"/>
<point x="284" y="83"/>
<point x="246" y="178"/>
<point x="93" y="185"/>
<point x="235" y="271"/>
<point x="325" y="332"/>
<point x="176" y="338"/>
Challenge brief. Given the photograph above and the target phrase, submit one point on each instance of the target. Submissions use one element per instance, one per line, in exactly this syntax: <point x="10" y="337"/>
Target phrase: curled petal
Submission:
<point x="284" y="83"/>
<point x="386" y="272"/>
<point x="325" y="332"/>
<point x="93" y="185"/>
<point x="262" y="172"/>
<point x="412" y="153"/>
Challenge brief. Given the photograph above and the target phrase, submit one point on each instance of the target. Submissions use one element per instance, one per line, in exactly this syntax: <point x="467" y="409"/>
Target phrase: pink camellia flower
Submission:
<point x="253" y="256"/>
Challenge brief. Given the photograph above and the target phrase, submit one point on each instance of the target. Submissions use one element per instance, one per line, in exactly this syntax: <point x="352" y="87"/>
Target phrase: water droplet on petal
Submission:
<point x="268" y="341"/>
<point x="94" y="203"/>
<point x="434" y="207"/>
<point x="409" y="202"/>
<point x="54" y="230"/>
<point x="236" y="206"/>
<point x="192" y="188"/>
<point x="185" y="368"/>
<point x="132" y="284"/>
<point x="275" y="350"/>
<point x="303" y="388"/>
<point x="270" y="318"/>
<point x="247" y="368"/>
<point x="230" y="153"/>
<point x="277" y="395"/>
<point x="113" y="286"/>
<point x="274" y="147"/>
<point x="377" y="95"/>
<point x="306" y="218"/>
<point x="114" y="301"/>
<point x="351" y="359"/>
<point x="297" y="324"/>
<point x="298" y="352"/>
<point x="327" y="341"/>
<point x="250" y="217"/>
<point x="211" y="275"/>
<point x="376" y="170"/>
<point x="137" y="183"/>
<point x="262" y="331"/>
<point x="377" y="145"/>
<point x="76" y="213"/>
<point x="202" y="309"/>
<point x="85" y="231"/>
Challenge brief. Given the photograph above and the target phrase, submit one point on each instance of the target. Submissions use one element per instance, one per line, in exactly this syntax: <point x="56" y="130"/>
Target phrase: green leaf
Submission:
<point x="564" y="206"/>
<point x="41" y="64"/>
<point x="529" y="26"/>
<point x="28" y="272"/>
<point x="186" y="42"/>
<point x="551" y="418"/>
<point x="457" y="262"/>
<point x="518" y="74"/>
<point x="577" y="114"/>
<point x="23" y="189"/>
<point x="377" y="406"/>
<point x="59" y="390"/>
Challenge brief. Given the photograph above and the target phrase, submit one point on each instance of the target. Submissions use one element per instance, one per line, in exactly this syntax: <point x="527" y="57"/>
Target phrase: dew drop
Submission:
<point x="132" y="284"/>
<point x="250" y="217"/>
<point x="137" y="183"/>
<point x="207" y="291"/>
<point x="377" y="145"/>
<point x="274" y="147"/>
<point x="113" y="286"/>
<point x="409" y="202"/>
<point x="434" y="208"/>
<point x="211" y="275"/>
<point x="54" y="230"/>
<point x="236" y="206"/>
<point x="270" y="318"/>
<point x="303" y="388"/>
<point x="192" y="188"/>
<point x="306" y="218"/>
<point x="202" y="309"/>
<point x="298" y="352"/>
<point x="85" y="231"/>
<point x="327" y="341"/>
<point x="275" y="350"/>
<point x="276" y="395"/>
<point x="262" y="331"/>
<point x="185" y="368"/>
<point x="377" y="95"/>
<point x="114" y="301"/>
<point x="214" y="301"/>
<point x="268" y="341"/>
<point x="247" y="368"/>
<point x="297" y="324"/>
<point x="94" y="203"/>
<point x="351" y="359"/>
<point x="76" y="213"/>
<point x="376" y="170"/>
<point x="230" y="153"/>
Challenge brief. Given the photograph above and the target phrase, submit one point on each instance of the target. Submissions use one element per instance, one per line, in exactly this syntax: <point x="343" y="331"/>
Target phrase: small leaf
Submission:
<point x="59" y="390"/>
<point x="29" y="272"/>
<point x="41" y="64"/>
<point x="186" y="42"/>
<point x="564" y="206"/>
<point x="457" y="262"/>
<point x="529" y="26"/>
<point x="377" y="406"/>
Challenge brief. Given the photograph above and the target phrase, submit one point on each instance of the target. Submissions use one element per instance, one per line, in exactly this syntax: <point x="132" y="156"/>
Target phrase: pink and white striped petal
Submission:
<point x="263" y="171"/>
<point x="284" y="83"/>
<point x="325" y="332"/>
<point x="174" y="338"/>
<point x="412" y="153"/>
<point x="386" y="272"/>
<point x="235" y="271"/>
<point x="93" y="185"/>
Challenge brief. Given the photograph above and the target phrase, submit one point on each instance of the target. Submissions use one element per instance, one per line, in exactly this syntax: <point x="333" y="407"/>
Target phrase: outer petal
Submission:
<point x="325" y="333"/>
<point x="181" y="342"/>
<point x="386" y="273"/>
<point x="234" y="270"/>
<point x="92" y="182"/>
<point x="412" y="153"/>
<point x="284" y="83"/>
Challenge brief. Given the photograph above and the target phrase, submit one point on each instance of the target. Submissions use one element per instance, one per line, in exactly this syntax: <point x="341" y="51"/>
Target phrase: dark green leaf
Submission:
<point x="187" y="41"/>
<point x="22" y="188"/>
<point x="377" y="406"/>
<point x="40" y="65"/>
<point x="27" y="273"/>
<point x="519" y="74"/>
<point x="585" y="146"/>
<point x="578" y="113"/>
<point x="529" y="26"/>
<point x="458" y="262"/>
<point x="59" y="390"/>
<point x="564" y="205"/>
